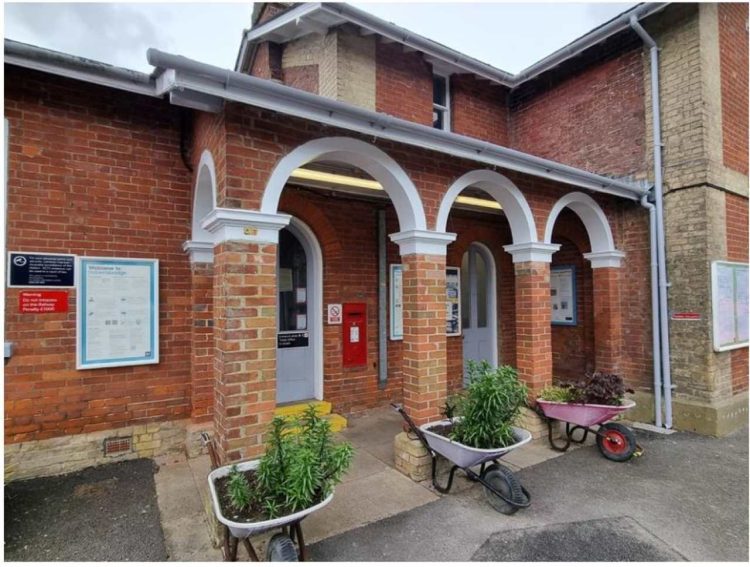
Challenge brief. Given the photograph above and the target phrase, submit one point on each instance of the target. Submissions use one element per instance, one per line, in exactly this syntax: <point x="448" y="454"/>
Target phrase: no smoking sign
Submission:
<point x="334" y="314"/>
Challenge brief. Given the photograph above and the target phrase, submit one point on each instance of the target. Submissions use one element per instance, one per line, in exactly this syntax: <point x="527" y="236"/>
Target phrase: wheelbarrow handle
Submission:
<point x="418" y="432"/>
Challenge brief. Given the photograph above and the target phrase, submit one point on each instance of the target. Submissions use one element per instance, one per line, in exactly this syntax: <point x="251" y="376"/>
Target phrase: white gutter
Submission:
<point x="79" y="68"/>
<point x="660" y="238"/>
<point x="181" y="74"/>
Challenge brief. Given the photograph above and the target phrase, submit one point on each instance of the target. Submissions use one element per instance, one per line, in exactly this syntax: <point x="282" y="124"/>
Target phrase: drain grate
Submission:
<point x="117" y="446"/>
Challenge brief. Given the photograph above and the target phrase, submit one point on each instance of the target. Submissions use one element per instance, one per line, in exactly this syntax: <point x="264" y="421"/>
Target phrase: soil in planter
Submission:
<point x="254" y="512"/>
<point x="442" y="429"/>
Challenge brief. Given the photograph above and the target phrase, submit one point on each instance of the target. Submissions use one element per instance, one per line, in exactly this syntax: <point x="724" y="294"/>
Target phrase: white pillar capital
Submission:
<point x="608" y="259"/>
<point x="532" y="251"/>
<point x="247" y="226"/>
<point x="200" y="252"/>
<point x="422" y="242"/>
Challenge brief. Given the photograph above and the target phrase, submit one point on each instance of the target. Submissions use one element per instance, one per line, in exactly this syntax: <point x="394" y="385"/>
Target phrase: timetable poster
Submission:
<point x="563" y="295"/>
<point x="118" y="307"/>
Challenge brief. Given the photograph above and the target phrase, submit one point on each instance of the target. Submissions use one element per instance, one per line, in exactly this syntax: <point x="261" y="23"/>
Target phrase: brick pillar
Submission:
<point x="607" y="309"/>
<point x="425" y="384"/>
<point x="533" y="313"/>
<point x="425" y="373"/>
<point x="244" y="294"/>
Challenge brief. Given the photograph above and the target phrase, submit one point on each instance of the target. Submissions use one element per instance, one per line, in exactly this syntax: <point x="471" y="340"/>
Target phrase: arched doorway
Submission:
<point x="478" y="305"/>
<point x="299" y="359"/>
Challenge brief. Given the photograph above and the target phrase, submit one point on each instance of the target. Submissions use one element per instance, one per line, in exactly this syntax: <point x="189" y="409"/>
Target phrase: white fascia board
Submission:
<point x="80" y="75"/>
<point x="292" y="17"/>
<point x="294" y="102"/>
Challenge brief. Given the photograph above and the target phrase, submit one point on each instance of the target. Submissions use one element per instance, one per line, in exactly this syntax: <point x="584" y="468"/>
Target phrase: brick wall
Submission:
<point x="95" y="174"/>
<point x="403" y="84"/>
<point x="737" y="251"/>
<point x="593" y="119"/>
<point x="479" y="109"/>
<point x="733" y="45"/>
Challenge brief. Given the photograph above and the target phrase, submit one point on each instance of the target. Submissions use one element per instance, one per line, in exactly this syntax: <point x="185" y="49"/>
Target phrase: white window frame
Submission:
<point x="718" y="347"/>
<point x="445" y="110"/>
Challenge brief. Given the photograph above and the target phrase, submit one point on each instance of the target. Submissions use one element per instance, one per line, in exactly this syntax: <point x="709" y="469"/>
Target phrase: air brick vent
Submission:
<point x="117" y="446"/>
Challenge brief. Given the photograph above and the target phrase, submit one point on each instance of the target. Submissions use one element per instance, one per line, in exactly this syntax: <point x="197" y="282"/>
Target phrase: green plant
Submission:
<point x="557" y="394"/>
<point x="489" y="407"/>
<point x="240" y="493"/>
<point x="301" y="464"/>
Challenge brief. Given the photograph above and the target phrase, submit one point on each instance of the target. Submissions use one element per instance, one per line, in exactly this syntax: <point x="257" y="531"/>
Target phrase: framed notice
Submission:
<point x="729" y="300"/>
<point x="117" y="312"/>
<point x="396" y="301"/>
<point x="452" y="302"/>
<point x="562" y="290"/>
<point x="41" y="269"/>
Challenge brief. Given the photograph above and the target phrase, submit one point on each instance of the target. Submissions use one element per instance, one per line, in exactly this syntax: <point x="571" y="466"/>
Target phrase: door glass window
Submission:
<point x="481" y="279"/>
<point x="465" y="293"/>
<point x="292" y="282"/>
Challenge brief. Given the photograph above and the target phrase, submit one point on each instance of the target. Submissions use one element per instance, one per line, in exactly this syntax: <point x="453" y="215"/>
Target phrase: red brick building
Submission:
<point x="355" y="211"/>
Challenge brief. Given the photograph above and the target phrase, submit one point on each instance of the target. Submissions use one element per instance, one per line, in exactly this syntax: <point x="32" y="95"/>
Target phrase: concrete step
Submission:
<point x="338" y="422"/>
<point x="294" y="410"/>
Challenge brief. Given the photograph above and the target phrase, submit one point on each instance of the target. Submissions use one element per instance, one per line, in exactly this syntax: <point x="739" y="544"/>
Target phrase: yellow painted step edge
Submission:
<point x="321" y="408"/>
<point x="338" y="422"/>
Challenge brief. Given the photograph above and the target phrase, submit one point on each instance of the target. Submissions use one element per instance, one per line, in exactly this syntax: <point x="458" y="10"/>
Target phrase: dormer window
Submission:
<point x="441" y="107"/>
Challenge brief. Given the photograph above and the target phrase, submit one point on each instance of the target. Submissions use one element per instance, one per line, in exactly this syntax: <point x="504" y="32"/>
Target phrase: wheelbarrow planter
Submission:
<point x="502" y="489"/>
<point x="614" y="440"/>
<point x="279" y="544"/>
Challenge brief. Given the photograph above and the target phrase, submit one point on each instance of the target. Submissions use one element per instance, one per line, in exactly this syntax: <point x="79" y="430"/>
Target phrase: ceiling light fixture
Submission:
<point x="335" y="179"/>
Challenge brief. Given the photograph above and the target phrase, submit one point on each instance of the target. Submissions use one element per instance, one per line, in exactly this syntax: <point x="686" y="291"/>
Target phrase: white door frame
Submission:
<point x="310" y="243"/>
<point x="489" y="260"/>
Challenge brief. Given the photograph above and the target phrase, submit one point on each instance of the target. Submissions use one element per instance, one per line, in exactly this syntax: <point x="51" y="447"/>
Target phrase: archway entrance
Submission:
<point x="478" y="306"/>
<point x="299" y="327"/>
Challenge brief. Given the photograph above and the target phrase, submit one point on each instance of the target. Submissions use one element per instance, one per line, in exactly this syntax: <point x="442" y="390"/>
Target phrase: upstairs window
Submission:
<point x="441" y="108"/>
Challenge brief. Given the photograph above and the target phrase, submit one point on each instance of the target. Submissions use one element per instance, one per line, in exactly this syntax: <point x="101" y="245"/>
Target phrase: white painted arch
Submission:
<point x="504" y="191"/>
<point x="204" y="196"/>
<point x="592" y="216"/>
<point x="367" y="157"/>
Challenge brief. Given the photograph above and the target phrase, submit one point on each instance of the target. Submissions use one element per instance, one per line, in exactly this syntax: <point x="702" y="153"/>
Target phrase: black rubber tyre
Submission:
<point x="505" y="482"/>
<point x="616" y="442"/>
<point x="281" y="548"/>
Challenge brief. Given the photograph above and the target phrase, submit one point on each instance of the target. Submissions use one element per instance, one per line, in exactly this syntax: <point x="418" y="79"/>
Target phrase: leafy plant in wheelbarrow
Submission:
<point x="594" y="400"/>
<point x="479" y="429"/>
<point x="295" y="477"/>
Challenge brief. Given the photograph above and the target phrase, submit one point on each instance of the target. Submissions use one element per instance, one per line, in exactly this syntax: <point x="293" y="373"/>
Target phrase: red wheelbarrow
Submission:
<point x="614" y="440"/>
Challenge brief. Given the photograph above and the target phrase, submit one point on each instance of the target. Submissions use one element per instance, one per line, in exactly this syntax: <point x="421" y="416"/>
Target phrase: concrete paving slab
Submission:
<point x="363" y="465"/>
<point x="183" y="517"/>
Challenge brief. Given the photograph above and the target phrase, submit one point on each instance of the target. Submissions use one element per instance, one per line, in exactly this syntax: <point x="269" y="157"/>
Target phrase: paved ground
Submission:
<point x="107" y="513"/>
<point x="686" y="497"/>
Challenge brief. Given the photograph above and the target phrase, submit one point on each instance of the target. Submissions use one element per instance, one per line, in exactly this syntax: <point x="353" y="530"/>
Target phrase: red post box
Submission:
<point x="355" y="334"/>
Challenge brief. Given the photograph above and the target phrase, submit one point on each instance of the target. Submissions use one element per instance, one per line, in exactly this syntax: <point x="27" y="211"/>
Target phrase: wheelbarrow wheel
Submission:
<point x="616" y="442"/>
<point x="505" y="482"/>
<point x="281" y="548"/>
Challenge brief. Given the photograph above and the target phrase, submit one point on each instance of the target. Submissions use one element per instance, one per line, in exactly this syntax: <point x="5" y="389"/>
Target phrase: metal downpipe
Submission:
<point x="655" y="331"/>
<point x="659" y="204"/>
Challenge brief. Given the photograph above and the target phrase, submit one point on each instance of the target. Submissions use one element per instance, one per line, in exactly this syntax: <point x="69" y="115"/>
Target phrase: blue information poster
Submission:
<point x="117" y="312"/>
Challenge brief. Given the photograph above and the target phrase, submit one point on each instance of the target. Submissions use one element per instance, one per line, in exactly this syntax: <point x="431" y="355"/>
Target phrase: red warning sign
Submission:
<point x="43" y="302"/>
<point x="686" y="316"/>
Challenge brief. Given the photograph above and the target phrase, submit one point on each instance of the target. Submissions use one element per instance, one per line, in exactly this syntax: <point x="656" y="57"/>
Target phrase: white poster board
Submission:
<point x="117" y="312"/>
<point x="452" y="302"/>
<point x="396" y="302"/>
<point x="729" y="301"/>
<point x="562" y="289"/>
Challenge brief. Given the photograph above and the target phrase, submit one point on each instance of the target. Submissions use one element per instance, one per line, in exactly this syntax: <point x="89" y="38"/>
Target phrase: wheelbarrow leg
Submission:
<point x="442" y="489"/>
<point x="230" y="546"/>
<point x="300" y="541"/>
<point x="550" y="435"/>
<point x="250" y="550"/>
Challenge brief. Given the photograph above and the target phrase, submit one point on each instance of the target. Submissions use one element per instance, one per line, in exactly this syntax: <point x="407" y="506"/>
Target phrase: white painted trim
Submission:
<point x="205" y="168"/>
<point x="422" y="242"/>
<point x="504" y="191"/>
<point x="592" y="216"/>
<point x="248" y="226"/>
<point x="377" y="163"/>
<point x="531" y="251"/>
<point x="312" y="248"/>
<point x="608" y="259"/>
<point x="199" y="252"/>
<point x="492" y="321"/>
